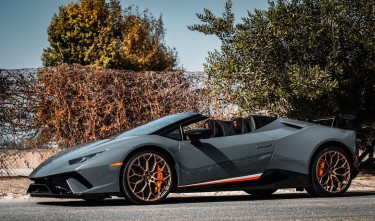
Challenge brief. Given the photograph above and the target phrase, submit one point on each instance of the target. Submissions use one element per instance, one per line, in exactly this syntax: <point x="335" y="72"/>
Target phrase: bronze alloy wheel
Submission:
<point x="333" y="171"/>
<point x="147" y="178"/>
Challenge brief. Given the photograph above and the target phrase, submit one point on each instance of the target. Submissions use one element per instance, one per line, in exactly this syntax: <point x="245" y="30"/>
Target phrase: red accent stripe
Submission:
<point x="225" y="181"/>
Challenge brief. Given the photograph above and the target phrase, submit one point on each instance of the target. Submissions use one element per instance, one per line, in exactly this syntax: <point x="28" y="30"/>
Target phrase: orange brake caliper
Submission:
<point x="321" y="168"/>
<point x="159" y="177"/>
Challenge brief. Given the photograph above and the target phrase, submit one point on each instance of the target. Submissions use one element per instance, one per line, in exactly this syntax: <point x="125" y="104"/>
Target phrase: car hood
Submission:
<point x="59" y="161"/>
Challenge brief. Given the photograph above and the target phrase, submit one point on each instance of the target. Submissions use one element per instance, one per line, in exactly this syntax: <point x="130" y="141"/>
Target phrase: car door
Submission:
<point x="220" y="158"/>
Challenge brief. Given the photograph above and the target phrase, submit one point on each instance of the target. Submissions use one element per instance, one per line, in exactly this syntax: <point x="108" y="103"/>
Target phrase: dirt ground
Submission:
<point x="21" y="163"/>
<point x="15" y="188"/>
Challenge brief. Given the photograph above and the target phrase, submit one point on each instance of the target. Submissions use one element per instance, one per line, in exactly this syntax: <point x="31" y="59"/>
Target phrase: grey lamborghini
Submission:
<point x="187" y="152"/>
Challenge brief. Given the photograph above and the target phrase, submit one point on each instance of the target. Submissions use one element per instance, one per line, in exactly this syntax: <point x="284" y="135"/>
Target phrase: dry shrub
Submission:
<point x="18" y="104"/>
<point x="79" y="104"/>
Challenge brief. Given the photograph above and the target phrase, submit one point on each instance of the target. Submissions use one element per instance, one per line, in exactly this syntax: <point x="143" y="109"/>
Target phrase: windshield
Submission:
<point x="153" y="126"/>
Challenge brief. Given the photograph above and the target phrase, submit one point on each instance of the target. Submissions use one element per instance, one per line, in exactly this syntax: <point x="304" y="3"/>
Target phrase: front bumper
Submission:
<point x="68" y="185"/>
<point x="43" y="190"/>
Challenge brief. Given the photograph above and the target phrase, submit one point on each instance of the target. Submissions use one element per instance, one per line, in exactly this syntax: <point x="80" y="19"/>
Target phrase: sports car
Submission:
<point x="188" y="152"/>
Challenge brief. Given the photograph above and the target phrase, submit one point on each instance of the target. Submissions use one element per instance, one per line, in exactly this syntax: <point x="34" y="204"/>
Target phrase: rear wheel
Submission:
<point x="261" y="193"/>
<point x="331" y="173"/>
<point x="147" y="178"/>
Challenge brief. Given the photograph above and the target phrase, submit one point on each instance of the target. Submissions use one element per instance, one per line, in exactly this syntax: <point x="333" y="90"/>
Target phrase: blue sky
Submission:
<point x="24" y="23"/>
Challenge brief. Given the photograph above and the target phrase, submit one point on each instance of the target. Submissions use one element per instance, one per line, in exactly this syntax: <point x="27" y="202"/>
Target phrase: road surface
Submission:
<point x="359" y="205"/>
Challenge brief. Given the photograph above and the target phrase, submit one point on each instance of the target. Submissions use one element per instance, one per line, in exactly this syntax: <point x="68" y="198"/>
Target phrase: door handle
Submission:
<point x="264" y="146"/>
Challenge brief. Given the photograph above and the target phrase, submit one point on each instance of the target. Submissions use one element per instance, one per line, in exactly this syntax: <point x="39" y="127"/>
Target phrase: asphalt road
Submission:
<point x="290" y="206"/>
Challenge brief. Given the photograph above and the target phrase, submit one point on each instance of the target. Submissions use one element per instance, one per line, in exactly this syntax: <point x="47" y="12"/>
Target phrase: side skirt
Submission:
<point x="270" y="179"/>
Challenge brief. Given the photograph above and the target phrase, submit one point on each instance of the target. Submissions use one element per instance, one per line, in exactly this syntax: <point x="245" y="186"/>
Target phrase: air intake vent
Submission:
<point x="292" y="125"/>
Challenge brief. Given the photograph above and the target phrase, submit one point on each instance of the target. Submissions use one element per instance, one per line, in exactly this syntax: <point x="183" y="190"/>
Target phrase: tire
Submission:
<point x="261" y="193"/>
<point x="147" y="178"/>
<point x="331" y="173"/>
<point x="310" y="190"/>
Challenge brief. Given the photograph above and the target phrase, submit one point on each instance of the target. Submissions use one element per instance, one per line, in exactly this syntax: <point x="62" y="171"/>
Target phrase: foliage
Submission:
<point x="100" y="34"/>
<point x="17" y="107"/>
<point x="67" y="105"/>
<point x="79" y="104"/>
<point x="298" y="58"/>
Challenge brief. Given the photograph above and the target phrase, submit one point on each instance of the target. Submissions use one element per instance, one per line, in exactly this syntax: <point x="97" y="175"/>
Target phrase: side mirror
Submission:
<point x="196" y="134"/>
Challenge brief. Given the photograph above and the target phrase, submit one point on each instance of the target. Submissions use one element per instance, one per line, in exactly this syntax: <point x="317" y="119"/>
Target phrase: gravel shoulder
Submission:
<point x="15" y="188"/>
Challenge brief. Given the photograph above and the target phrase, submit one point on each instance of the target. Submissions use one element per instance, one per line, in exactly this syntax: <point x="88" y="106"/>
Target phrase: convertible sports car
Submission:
<point x="187" y="152"/>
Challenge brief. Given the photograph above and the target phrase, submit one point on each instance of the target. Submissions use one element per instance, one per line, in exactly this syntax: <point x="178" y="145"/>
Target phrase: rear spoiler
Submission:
<point x="338" y="121"/>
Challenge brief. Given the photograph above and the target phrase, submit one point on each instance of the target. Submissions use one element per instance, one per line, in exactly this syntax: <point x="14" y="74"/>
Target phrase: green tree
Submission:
<point x="100" y="34"/>
<point x="298" y="58"/>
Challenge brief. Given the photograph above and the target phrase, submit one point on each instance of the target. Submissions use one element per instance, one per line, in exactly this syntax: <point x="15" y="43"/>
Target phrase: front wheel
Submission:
<point x="331" y="173"/>
<point x="147" y="178"/>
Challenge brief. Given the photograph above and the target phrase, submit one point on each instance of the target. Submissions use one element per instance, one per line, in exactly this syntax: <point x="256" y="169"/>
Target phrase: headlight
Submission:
<point x="83" y="159"/>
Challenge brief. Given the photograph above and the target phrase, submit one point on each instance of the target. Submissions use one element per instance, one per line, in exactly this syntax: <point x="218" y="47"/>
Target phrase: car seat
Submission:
<point x="217" y="130"/>
<point x="240" y="125"/>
